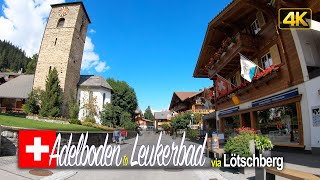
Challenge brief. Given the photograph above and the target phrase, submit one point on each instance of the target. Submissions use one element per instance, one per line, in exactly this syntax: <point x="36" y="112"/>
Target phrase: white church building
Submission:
<point x="93" y="87"/>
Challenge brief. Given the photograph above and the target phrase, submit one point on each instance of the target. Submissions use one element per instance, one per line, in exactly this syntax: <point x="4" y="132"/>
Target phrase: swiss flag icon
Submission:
<point x="35" y="147"/>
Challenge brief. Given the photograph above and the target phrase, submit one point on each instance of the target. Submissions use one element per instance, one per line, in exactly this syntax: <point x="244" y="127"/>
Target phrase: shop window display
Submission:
<point x="230" y="124"/>
<point x="280" y="124"/>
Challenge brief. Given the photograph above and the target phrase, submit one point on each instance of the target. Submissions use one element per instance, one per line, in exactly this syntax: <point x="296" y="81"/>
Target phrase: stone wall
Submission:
<point x="10" y="135"/>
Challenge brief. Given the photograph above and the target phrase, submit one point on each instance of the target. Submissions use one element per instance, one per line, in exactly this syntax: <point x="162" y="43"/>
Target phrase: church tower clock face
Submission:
<point x="63" y="11"/>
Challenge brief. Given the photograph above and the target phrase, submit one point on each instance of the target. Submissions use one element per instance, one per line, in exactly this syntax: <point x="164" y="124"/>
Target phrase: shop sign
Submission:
<point x="316" y="116"/>
<point x="276" y="98"/>
<point x="228" y="111"/>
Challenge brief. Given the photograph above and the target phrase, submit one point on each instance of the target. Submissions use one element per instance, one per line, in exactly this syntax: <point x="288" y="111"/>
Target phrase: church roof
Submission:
<point x="19" y="87"/>
<point x="93" y="81"/>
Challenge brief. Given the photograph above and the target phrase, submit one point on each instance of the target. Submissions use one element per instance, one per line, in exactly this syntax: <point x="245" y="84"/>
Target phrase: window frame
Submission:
<point x="255" y="26"/>
<point x="263" y="62"/>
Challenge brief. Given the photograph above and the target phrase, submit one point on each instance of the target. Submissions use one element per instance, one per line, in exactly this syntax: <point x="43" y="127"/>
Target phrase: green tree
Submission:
<point x="110" y="115"/>
<point x="73" y="108"/>
<point x="31" y="66"/>
<point x="125" y="121"/>
<point x="51" y="98"/>
<point x="32" y="104"/>
<point x="181" y="121"/>
<point x="123" y="96"/>
<point x="148" y="113"/>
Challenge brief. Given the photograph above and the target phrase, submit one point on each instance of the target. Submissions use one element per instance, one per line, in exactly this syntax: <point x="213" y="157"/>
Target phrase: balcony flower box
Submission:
<point x="261" y="78"/>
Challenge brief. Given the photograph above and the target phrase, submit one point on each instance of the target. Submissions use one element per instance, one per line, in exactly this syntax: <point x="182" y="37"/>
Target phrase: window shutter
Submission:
<point x="261" y="19"/>
<point x="256" y="61"/>
<point x="275" y="54"/>
<point x="238" y="78"/>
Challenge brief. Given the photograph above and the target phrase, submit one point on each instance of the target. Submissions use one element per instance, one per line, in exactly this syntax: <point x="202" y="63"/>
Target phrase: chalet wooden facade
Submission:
<point x="279" y="100"/>
<point x="191" y="102"/>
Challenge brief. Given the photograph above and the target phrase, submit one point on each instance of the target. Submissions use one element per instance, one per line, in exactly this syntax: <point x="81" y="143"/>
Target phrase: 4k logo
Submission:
<point x="294" y="18"/>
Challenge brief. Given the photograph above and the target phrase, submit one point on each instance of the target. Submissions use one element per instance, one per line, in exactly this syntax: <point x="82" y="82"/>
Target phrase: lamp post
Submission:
<point x="192" y="118"/>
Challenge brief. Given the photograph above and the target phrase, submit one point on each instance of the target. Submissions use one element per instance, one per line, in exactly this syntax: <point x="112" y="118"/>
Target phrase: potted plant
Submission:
<point x="243" y="145"/>
<point x="263" y="145"/>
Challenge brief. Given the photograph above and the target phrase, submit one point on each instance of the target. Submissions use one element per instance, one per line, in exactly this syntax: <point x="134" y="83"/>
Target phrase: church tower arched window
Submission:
<point x="60" y="22"/>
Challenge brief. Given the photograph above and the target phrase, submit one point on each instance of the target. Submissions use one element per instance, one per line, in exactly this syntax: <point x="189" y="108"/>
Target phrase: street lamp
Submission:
<point x="192" y="119"/>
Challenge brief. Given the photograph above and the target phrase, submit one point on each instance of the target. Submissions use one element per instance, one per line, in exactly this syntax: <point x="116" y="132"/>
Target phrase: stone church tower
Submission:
<point x="62" y="47"/>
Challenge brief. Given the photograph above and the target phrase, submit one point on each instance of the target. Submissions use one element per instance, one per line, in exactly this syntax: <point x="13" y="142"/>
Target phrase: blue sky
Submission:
<point x="151" y="44"/>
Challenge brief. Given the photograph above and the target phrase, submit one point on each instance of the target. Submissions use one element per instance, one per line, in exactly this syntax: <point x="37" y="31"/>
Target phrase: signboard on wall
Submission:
<point x="276" y="98"/>
<point x="228" y="111"/>
<point x="316" y="116"/>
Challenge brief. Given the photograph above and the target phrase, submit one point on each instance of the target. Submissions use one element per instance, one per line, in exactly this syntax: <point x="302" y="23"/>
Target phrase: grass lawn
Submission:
<point x="7" y="120"/>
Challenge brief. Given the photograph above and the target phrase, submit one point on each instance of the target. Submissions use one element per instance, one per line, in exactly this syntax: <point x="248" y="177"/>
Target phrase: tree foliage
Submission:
<point x="51" y="98"/>
<point x="111" y="115"/>
<point x="148" y="114"/>
<point x="123" y="96"/>
<point x="32" y="104"/>
<point x="31" y="66"/>
<point x="73" y="108"/>
<point x="12" y="58"/>
<point x="181" y="121"/>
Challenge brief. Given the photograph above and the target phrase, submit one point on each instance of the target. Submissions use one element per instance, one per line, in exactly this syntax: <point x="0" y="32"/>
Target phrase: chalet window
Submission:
<point x="61" y="23"/>
<point x="255" y="27"/>
<point x="266" y="61"/>
<point x="104" y="97"/>
<point x="233" y="80"/>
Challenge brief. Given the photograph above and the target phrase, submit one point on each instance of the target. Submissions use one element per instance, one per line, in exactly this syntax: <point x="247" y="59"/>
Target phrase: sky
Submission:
<point x="153" y="45"/>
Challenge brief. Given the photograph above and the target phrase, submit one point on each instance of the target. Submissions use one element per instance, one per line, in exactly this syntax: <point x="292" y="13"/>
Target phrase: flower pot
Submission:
<point x="266" y="153"/>
<point x="246" y="170"/>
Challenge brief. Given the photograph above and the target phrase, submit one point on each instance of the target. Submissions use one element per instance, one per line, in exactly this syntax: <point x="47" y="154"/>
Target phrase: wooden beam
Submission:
<point x="253" y="119"/>
<point x="300" y="123"/>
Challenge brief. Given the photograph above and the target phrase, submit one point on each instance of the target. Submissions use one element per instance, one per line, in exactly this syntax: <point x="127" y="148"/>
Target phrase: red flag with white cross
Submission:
<point x="221" y="86"/>
<point x="35" y="147"/>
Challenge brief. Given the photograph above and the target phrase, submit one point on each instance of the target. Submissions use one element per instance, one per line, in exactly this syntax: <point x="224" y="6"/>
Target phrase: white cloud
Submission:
<point x="92" y="31"/>
<point x="91" y="59"/>
<point x="23" y="23"/>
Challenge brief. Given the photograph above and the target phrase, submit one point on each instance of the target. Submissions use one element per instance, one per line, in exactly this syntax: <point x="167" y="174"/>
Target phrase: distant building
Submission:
<point x="163" y="117"/>
<point x="201" y="102"/>
<point x="15" y="92"/>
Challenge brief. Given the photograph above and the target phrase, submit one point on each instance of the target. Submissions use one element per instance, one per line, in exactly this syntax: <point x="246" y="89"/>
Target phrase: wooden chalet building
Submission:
<point x="190" y="102"/>
<point x="283" y="99"/>
<point x="195" y="102"/>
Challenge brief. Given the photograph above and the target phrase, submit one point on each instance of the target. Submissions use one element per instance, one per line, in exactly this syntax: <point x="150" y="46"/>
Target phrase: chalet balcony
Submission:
<point x="201" y="111"/>
<point x="227" y="58"/>
<point x="261" y="79"/>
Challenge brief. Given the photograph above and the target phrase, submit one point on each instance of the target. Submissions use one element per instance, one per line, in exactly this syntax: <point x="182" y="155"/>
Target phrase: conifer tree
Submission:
<point x="51" y="98"/>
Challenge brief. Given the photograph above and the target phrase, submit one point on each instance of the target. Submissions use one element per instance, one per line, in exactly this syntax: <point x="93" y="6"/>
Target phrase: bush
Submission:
<point x="240" y="144"/>
<point x="75" y="121"/>
<point x="165" y="127"/>
<point x="89" y="124"/>
<point x="192" y="134"/>
<point x="90" y="120"/>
